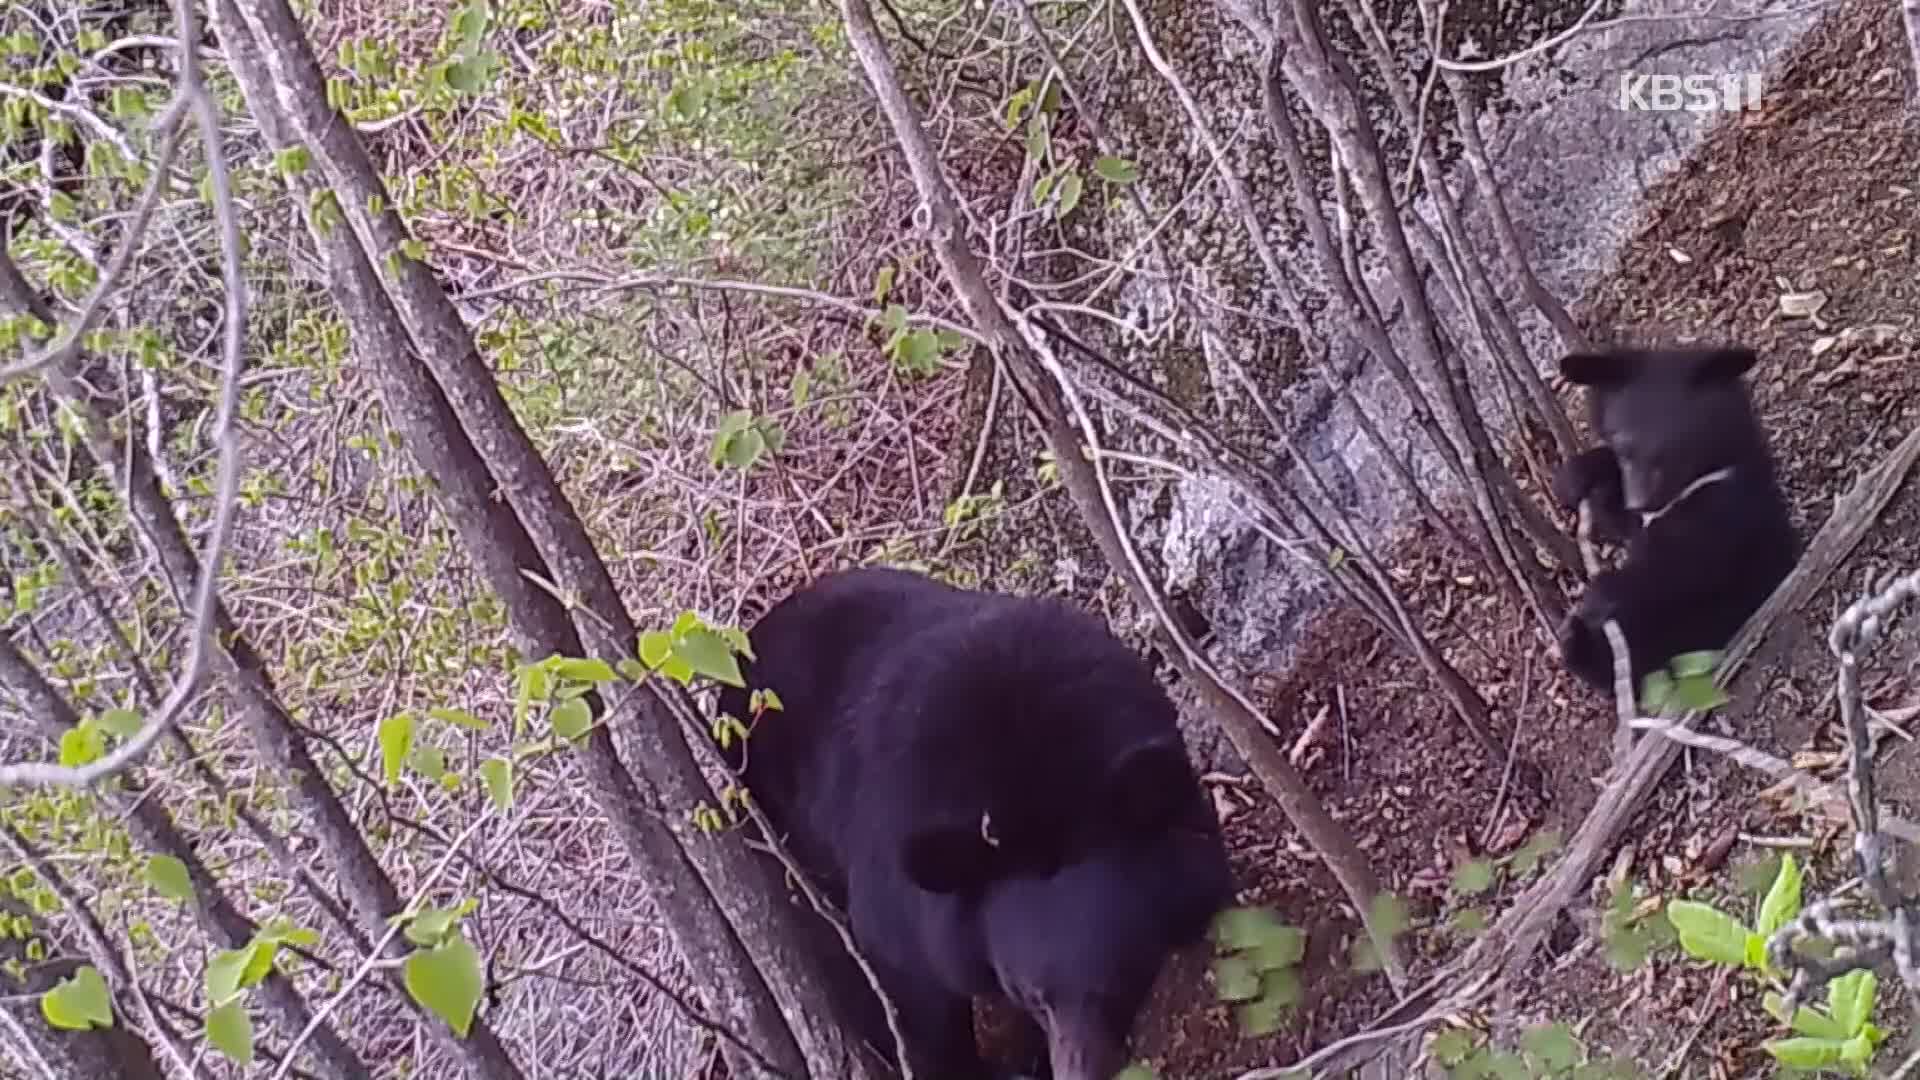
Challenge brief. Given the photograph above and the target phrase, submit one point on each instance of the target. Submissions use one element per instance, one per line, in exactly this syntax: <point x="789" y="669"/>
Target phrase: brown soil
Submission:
<point x="1819" y="191"/>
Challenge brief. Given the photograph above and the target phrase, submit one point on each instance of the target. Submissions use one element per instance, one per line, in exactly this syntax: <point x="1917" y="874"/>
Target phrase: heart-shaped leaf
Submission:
<point x="706" y="652"/>
<point x="79" y="1002"/>
<point x="446" y="980"/>
<point x="230" y="1030"/>
<point x="396" y="739"/>
<point x="168" y="877"/>
<point x="497" y="774"/>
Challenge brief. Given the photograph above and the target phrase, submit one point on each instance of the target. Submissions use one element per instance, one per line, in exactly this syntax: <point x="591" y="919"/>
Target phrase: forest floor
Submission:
<point x="1817" y="191"/>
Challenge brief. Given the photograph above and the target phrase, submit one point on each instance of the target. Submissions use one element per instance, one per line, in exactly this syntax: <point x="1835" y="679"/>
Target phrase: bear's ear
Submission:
<point x="1599" y="368"/>
<point x="1723" y="364"/>
<point x="1152" y="783"/>
<point x="945" y="860"/>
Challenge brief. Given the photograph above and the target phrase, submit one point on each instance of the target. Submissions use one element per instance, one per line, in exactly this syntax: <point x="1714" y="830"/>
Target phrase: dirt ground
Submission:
<point x="1821" y="190"/>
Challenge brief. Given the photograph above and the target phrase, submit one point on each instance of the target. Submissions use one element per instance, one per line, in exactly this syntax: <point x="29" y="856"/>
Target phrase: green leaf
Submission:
<point x="655" y="647"/>
<point x="1115" y="170"/>
<point x="1708" y="934"/>
<point x="79" y="1002"/>
<point x="168" y="877"/>
<point x="1505" y="1066"/>
<point x="82" y="745"/>
<point x="677" y="669"/>
<point x="458" y="718"/>
<point x="1017" y="104"/>
<point x="1698" y="694"/>
<point x="1553" y="1046"/>
<point x="1469" y="921"/>
<point x="1037" y="141"/>
<point x="1071" y="187"/>
<point x="1243" y="929"/>
<point x="882" y="285"/>
<point x="1389" y="913"/>
<point x="1538" y="846"/>
<point x="428" y="761"/>
<point x="124" y="723"/>
<point x="919" y="350"/>
<point x="281" y="930"/>
<point x="1850" y="1000"/>
<point x="430" y="927"/>
<point x="729" y="429"/>
<point x="1656" y="689"/>
<point x="470" y="76"/>
<point x="1782" y="902"/>
<point x="292" y="161"/>
<point x="1626" y="950"/>
<point x="396" y="739"/>
<point x="1259" y="1018"/>
<point x="1809" y="1022"/>
<point x="686" y="99"/>
<point x="745" y="448"/>
<point x="1451" y="1047"/>
<point x="1473" y="877"/>
<point x="225" y="972"/>
<point x="1280" y="947"/>
<point x="1858" y="1050"/>
<point x="471" y="24"/>
<point x="1805" y="1053"/>
<point x="535" y="683"/>
<point x="736" y="640"/>
<point x="584" y="669"/>
<point x="1281" y="986"/>
<point x="497" y="774"/>
<point x="446" y="980"/>
<point x="1690" y="665"/>
<point x="571" y="719"/>
<point x="707" y="654"/>
<point x="230" y="1031"/>
<point x="1235" y="979"/>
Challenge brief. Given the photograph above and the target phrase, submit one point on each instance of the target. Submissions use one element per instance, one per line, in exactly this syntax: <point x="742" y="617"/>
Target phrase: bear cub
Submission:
<point x="1683" y="476"/>
<point x="994" y="791"/>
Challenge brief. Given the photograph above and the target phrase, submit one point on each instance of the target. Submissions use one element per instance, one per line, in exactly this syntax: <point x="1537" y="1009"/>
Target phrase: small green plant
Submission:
<point x="743" y="439"/>
<point x="1474" y="877"/>
<point x="1546" y="1052"/>
<point x="1389" y="916"/>
<point x="915" y="351"/>
<point x="1707" y="933"/>
<point x="1685" y="685"/>
<point x="1842" y="1038"/>
<point x="1632" y="930"/>
<point x="233" y="972"/>
<point x="1255" y="965"/>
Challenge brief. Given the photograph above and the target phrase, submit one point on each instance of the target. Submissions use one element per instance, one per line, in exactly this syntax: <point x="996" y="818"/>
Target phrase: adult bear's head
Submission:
<point x="1079" y="950"/>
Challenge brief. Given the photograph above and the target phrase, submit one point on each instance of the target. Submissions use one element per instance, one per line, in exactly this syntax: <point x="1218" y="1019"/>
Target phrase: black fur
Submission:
<point x="1709" y="557"/>
<point x="994" y="790"/>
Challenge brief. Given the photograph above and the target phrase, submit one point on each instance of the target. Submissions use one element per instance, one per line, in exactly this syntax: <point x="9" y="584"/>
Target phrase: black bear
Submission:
<point x="1684" y="478"/>
<point x="995" y="792"/>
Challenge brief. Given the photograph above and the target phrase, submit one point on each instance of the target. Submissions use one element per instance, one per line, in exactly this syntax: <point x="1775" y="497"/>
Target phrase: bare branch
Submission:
<point x="15" y="290"/>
